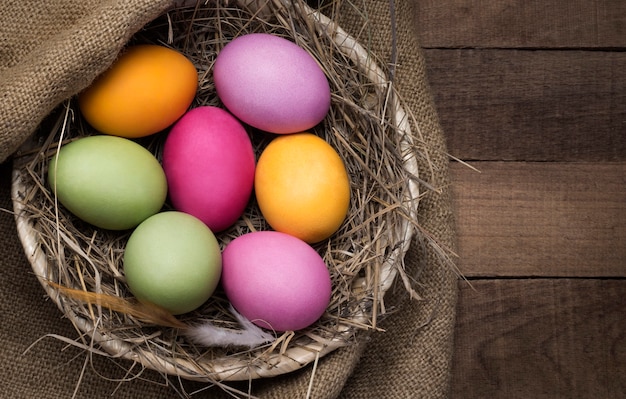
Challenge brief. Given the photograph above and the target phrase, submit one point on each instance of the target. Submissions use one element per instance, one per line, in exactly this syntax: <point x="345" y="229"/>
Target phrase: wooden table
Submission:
<point x="533" y="95"/>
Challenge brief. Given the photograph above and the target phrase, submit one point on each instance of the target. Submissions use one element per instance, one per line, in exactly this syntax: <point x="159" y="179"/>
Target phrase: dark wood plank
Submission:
<point x="541" y="219"/>
<point x="522" y="24"/>
<point x="542" y="338"/>
<point x="531" y="105"/>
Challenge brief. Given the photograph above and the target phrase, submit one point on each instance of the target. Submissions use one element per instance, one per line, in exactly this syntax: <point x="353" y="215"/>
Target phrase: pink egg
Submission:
<point x="271" y="83"/>
<point x="275" y="280"/>
<point x="209" y="165"/>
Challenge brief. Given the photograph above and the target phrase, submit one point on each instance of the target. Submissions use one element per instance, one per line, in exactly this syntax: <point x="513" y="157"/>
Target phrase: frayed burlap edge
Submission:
<point x="52" y="50"/>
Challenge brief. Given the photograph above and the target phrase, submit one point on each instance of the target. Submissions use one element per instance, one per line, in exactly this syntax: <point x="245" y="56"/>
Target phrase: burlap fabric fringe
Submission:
<point x="50" y="51"/>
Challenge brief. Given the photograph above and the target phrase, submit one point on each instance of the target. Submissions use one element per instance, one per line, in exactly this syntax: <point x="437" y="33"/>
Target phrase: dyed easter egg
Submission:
<point x="146" y="90"/>
<point x="172" y="260"/>
<point x="110" y="182"/>
<point x="209" y="164"/>
<point x="302" y="186"/>
<point x="271" y="83"/>
<point x="275" y="280"/>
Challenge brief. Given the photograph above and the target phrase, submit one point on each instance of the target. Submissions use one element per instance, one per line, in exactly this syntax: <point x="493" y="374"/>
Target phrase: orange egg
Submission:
<point x="146" y="90"/>
<point x="302" y="187"/>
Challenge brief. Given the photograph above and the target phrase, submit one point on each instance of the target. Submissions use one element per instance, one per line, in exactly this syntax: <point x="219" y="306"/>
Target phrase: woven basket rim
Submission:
<point x="293" y="358"/>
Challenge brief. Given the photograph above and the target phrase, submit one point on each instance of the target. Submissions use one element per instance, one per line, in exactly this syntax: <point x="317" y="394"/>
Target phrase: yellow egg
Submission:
<point x="302" y="187"/>
<point x="146" y="90"/>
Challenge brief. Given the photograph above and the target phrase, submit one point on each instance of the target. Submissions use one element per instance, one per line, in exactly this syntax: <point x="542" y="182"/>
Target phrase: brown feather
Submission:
<point x="146" y="312"/>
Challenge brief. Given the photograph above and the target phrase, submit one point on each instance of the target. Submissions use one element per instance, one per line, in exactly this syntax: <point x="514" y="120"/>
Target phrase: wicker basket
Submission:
<point x="381" y="251"/>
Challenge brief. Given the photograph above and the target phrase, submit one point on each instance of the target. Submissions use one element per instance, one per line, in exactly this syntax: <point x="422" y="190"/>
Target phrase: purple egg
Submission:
<point x="275" y="280"/>
<point x="271" y="83"/>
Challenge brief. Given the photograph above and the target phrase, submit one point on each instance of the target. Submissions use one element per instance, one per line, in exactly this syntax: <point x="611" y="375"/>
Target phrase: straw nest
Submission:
<point x="367" y="125"/>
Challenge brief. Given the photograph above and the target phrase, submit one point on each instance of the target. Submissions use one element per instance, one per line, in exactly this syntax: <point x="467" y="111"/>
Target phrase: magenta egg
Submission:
<point x="275" y="280"/>
<point x="271" y="83"/>
<point x="209" y="164"/>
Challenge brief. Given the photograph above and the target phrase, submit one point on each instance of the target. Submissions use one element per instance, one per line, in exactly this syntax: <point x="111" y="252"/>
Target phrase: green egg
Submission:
<point x="110" y="182"/>
<point x="173" y="260"/>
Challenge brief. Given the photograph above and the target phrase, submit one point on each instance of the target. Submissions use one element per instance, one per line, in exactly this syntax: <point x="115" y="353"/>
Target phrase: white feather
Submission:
<point x="249" y="336"/>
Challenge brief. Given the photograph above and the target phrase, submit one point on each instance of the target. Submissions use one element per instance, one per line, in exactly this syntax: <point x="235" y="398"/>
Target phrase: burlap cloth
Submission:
<point x="49" y="50"/>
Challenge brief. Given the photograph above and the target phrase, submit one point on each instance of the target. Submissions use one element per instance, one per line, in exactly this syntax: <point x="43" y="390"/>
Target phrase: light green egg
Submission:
<point x="110" y="182"/>
<point x="173" y="260"/>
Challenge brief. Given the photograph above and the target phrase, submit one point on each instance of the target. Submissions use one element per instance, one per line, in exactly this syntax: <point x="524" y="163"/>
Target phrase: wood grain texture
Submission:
<point x="540" y="338"/>
<point x="540" y="84"/>
<point x="531" y="105"/>
<point x="522" y="24"/>
<point x="541" y="219"/>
